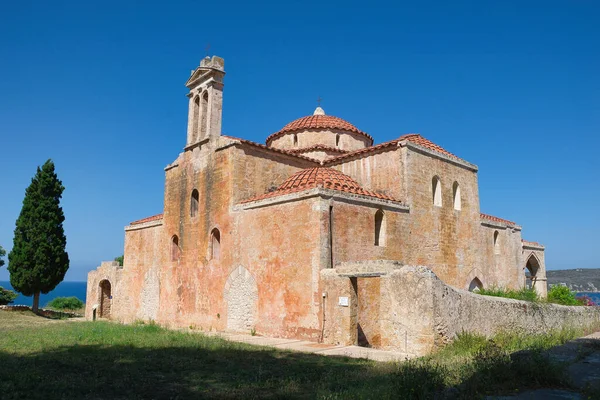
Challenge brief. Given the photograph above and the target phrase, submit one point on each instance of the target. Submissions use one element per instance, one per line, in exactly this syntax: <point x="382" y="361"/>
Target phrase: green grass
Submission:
<point x="521" y="294"/>
<point x="42" y="359"/>
<point x="557" y="295"/>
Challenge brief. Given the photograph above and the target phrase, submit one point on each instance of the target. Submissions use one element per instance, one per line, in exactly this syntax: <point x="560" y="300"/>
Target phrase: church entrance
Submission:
<point x="105" y="299"/>
<point x="367" y="292"/>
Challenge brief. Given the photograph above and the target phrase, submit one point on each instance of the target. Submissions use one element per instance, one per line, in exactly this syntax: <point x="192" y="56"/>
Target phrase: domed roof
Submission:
<point x="323" y="177"/>
<point x="318" y="121"/>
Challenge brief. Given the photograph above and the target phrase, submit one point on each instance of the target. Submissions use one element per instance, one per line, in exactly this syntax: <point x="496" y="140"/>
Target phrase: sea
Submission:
<point x="64" y="289"/>
<point x="595" y="296"/>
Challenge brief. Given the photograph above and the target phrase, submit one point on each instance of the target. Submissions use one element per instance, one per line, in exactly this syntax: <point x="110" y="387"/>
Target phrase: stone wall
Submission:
<point x="418" y="313"/>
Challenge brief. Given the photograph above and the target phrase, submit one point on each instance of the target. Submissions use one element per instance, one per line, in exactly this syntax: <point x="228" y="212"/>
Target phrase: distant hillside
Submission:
<point x="578" y="280"/>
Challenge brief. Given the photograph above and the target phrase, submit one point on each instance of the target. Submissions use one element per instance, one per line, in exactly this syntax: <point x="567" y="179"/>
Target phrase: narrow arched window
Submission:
<point x="337" y="140"/>
<point x="295" y="140"/>
<point x="174" y="248"/>
<point x="379" y="228"/>
<point x="203" y="122"/>
<point x="195" y="200"/>
<point x="196" y="118"/>
<point x="215" y="244"/>
<point x="475" y="285"/>
<point x="496" y="242"/>
<point x="456" y="196"/>
<point x="436" y="188"/>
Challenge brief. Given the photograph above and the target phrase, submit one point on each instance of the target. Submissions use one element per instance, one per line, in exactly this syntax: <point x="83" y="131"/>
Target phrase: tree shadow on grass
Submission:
<point x="124" y="372"/>
<point x="218" y="369"/>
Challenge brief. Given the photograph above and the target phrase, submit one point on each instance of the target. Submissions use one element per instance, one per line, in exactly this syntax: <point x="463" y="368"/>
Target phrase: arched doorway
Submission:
<point x="105" y="299"/>
<point x="531" y="269"/>
<point x="475" y="285"/>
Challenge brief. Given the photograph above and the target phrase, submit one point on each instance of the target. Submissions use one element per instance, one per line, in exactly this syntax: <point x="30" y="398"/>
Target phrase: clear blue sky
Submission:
<point x="512" y="86"/>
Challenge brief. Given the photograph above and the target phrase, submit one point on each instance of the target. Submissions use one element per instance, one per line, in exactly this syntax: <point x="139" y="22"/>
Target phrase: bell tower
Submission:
<point x="206" y="101"/>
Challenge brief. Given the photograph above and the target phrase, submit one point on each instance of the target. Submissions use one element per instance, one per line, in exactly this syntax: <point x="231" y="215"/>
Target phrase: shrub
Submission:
<point x="586" y="300"/>
<point x="560" y="294"/>
<point x="521" y="294"/>
<point x="7" y="296"/>
<point x="66" y="303"/>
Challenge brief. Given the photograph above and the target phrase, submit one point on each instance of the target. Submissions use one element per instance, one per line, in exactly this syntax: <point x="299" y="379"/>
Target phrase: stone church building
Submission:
<point x="298" y="237"/>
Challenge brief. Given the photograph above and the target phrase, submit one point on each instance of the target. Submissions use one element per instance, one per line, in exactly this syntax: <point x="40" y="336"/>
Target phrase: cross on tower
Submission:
<point x="319" y="99"/>
<point x="207" y="48"/>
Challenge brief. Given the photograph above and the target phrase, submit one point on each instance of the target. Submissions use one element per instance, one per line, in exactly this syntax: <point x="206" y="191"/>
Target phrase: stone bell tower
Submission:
<point x="206" y="101"/>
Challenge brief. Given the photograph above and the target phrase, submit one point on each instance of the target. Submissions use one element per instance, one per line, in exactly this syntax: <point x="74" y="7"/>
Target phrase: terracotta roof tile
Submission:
<point x="147" y="219"/>
<point x="528" y="243"/>
<point x="280" y="151"/>
<point x="391" y="143"/>
<point x="421" y="141"/>
<point x="322" y="177"/>
<point x="412" y="137"/>
<point x="318" y="122"/>
<point x="317" y="147"/>
<point x="496" y="219"/>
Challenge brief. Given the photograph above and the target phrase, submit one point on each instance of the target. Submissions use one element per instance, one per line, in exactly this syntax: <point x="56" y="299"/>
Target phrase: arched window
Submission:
<point x="295" y="140"/>
<point x="475" y="285"/>
<point x="436" y="188"/>
<point x="337" y="140"/>
<point x="194" y="203"/>
<point x="496" y="242"/>
<point x="203" y="122"/>
<point x="174" y="248"/>
<point x="456" y="196"/>
<point x="196" y="118"/>
<point x="215" y="244"/>
<point x="531" y="269"/>
<point x="379" y="228"/>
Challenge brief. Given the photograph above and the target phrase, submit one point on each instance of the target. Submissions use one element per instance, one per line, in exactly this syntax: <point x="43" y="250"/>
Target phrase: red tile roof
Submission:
<point x="273" y="149"/>
<point x="147" y="219"/>
<point x="318" y="122"/>
<point x="421" y="141"/>
<point x="322" y="177"/>
<point x="496" y="219"/>
<point x="528" y="243"/>
<point x="411" y="137"/>
<point x="318" y="147"/>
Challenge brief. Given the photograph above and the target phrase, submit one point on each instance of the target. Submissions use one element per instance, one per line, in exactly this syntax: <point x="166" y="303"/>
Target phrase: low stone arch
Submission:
<point x="475" y="274"/>
<point x="104" y="298"/>
<point x="531" y="269"/>
<point x="475" y="285"/>
<point x="241" y="299"/>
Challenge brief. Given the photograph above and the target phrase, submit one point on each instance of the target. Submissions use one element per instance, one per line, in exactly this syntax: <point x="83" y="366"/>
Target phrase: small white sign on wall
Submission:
<point x="343" y="301"/>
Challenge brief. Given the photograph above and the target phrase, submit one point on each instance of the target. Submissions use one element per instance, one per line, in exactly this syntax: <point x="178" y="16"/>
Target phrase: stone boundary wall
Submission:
<point x="419" y="313"/>
<point x="450" y="311"/>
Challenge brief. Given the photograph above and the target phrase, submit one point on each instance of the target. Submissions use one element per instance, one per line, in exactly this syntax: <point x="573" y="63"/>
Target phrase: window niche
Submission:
<point x="496" y="242"/>
<point x="456" y="196"/>
<point x="174" y="248"/>
<point x="436" y="188"/>
<point x="379" y="228"/>
<point x="194" y="203"/>
<point x="215" y="244"/>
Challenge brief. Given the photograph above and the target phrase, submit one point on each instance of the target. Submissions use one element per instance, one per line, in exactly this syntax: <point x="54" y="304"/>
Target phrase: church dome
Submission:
<point x="325" y="131"/>
<point x="317" y="121"/>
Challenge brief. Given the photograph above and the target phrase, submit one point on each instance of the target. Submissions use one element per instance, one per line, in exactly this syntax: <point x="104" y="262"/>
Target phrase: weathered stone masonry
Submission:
<point x="253" y="236"/>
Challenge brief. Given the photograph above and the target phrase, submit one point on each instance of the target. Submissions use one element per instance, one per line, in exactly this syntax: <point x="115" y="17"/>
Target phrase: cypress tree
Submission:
<point x="38" y="260"/>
